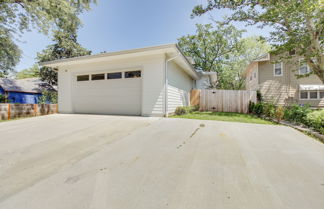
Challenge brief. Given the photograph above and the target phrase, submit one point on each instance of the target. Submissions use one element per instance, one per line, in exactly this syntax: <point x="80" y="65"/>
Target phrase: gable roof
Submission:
<point x="28" y="85"/>
<point x="169" y="49"/>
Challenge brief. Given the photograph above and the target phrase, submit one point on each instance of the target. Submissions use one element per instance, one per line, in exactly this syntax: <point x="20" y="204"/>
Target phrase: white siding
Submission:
<point x="179" y="86"/>
<point x="64" y="91"/>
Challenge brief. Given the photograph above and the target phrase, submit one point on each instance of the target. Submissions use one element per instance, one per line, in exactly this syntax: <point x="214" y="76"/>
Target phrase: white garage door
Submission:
<point x="109" y="93"/>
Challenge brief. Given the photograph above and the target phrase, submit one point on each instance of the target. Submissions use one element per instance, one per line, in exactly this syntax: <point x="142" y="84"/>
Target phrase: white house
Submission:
<point x="150" y="81"/>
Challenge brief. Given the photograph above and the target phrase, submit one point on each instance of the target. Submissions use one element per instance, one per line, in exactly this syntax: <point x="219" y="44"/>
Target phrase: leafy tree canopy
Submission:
<point x="31" y="72"/>
<point x="221" y="49"/>
<point x="298" y="25"/>
<point x="65" y="46"/>
<point x="18" y="16"/>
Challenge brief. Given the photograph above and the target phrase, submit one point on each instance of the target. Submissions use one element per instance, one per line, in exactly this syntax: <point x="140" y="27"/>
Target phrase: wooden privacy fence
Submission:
<point x="9" y="111"/>
<point x="222" y="100"/>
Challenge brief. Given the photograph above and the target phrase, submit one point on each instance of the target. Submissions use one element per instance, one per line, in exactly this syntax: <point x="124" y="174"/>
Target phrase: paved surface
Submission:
<point x="87" y="161"/>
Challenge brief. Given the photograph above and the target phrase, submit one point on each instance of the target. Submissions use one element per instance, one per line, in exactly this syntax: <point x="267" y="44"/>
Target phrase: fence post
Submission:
<point x="8" y="111"/>
<point x="35" y="109"/>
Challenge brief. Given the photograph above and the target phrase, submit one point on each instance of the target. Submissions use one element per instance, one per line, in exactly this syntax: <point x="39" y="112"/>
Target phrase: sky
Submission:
<point x="113" y="25"/>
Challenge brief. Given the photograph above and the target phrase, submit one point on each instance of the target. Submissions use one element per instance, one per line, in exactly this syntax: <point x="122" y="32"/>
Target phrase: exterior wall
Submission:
<point x="252" y="76"/>
<point x="203" y="82"/>
<point x="152" y="68"/>
<point x="23" y="98"/>
<point x="285" y="89"/>
<point x="179" y="86"/>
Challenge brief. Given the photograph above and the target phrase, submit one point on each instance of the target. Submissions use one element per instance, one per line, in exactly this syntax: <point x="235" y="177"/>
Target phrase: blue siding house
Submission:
<point x="23" y="91"/>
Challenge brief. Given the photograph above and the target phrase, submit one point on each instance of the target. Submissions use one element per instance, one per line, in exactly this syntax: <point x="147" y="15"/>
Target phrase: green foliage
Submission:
<point x="297" y="113"/>
<point x="186" y="110"/>
<point x="259" y="96"/>
<point x="298" y="25"/>
<point x="19" y="16"/>
<point x="221" y="49"/>
<point x="48" y="97"/>
<point x="279" y="113"/>
<point x="315" y="120"/>
<point x="32" y="72"/>
<point x="9" y="52"/>
<point x="269" y="110"/>
<point x="65" y="46"/>
<point x="224" y="116"/>
<point x="3" y="98"/>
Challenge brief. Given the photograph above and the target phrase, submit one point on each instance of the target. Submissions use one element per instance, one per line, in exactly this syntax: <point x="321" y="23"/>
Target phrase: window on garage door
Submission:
<point x="95" y="77"/>
<point x="82" y="77"/>
<point x="114" y="75"/>
<point x="133" y="74"/>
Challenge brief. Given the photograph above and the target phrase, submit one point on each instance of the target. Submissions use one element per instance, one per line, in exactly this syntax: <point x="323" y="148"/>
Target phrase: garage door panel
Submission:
<point x="120" y="96"/>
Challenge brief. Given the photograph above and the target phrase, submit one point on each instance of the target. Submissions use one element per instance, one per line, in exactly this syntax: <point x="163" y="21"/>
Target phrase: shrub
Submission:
<point x="251" y="106"/>
<point x="297" y="113"/>
<point x="259" y="96"/>
<point x="279" y="113"/>
<point x="315" y="120"/>
<point x="180" y="111"/>
<point x="186" y="110"/>
<point x="258" y="109"/>
<point x="269" y="110"/>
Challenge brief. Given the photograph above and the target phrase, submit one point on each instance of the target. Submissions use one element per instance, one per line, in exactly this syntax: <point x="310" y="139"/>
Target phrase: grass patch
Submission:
<point x="224" y="116"/>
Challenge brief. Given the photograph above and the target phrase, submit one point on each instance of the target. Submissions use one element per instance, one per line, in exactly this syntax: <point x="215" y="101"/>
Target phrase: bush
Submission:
<point x="259" y="96"/>
<point x="186" y="110"/>
<point x="269" y="110"/>
<point x="315" y="120"/>
<point x="251" y="106"/>
<point x="297" y="113"/>
<point x="258" y="109"/>
<point x="279" y="113"/>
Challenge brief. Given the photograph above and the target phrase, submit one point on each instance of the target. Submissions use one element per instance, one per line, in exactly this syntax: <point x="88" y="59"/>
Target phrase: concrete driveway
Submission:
<point x="89" y="161"/>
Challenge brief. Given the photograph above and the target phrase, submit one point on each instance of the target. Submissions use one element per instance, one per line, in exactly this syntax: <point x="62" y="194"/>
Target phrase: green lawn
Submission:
<point x="224" y="116"/>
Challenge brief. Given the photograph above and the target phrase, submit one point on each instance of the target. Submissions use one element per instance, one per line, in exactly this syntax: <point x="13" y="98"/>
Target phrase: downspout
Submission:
<point x="166" y="84"/>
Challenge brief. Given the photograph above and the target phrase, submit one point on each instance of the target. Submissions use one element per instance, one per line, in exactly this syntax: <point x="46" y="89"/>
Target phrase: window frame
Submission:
<point x="121" y="75"/>
<point x="104" y="77"/>
<point x="307" y="67"/>
<point x="319" y="94"/>
<point x="83" y="75"/>
<point x="274" y="69"/>
<point x="132" y="71"/>
<point x="308" y="94"/>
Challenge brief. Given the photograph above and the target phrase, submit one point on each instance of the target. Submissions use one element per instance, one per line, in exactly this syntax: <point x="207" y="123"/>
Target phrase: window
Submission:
<point x="303" y="95"/>
<point x="313" y="94"/>
<point x="132" y="74"/>
<point x="95" y="77"/>
<point x="321" y="94"/>
<point x="114" y="75"/>
<point x="82" y="77"/>
<point x="303" y="68"/>
<point x="277" y="69"/>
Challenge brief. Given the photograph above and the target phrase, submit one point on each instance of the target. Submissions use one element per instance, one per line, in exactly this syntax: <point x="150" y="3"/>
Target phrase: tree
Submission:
<point x="251" y="48"/>
<point x="32" y="72"/>
<point x="211" y="47"/>
<point x="298" y="25"/>
<point x="9" y="53"/>
<point x="18" y="16"/>
<point x="65" y="46"/>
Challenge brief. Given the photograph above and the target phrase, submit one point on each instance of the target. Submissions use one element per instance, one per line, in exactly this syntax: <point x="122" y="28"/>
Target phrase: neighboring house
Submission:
<point x="23" y="91"/>
<point x="278" y="83"/>
<point x="150" y="81"/>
